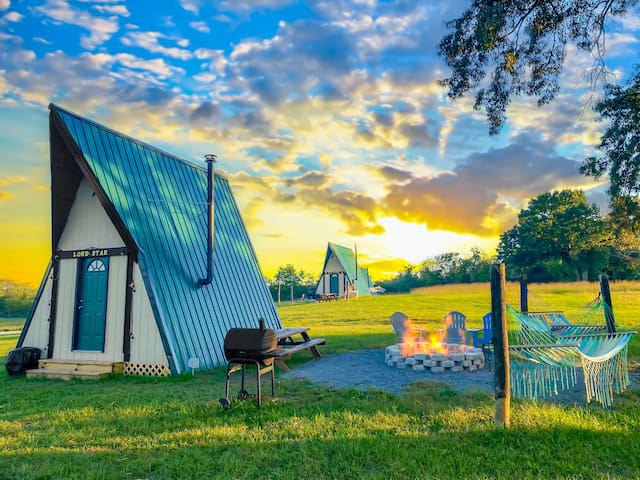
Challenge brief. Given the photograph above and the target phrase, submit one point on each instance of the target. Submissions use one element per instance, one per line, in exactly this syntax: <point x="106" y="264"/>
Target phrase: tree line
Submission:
<point x="558" y="237"/>
<point x="289" y="284"/>
<point x="15" y="299"/>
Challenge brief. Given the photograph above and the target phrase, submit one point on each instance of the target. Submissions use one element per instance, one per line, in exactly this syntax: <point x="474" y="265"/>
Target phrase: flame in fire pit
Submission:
<point x="415" y="340"/>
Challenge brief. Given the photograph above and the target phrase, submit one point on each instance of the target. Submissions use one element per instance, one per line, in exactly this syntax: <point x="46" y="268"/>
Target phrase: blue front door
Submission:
<point x="91" y="304"/>
<point x="334" y="284"/>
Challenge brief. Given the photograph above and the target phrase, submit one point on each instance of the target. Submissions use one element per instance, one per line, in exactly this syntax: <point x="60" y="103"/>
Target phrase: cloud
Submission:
<point x="481" y="195"/>
<point x="150" y="41"/>
<point x="157" y="66"/>
<point x="356" y="211"/>
<point x="17" y="181"/>
<point x="9" y="181"/>
<point x="113" y="9"/>
<point x="303" y="58"/>
<point x="419" y="135"/>
<point x="311" y="180"/>
<point x="100" y="29"/>
<point x="315" y="191"/>
<point x="200" y="26"/>
<point x="246" y="7"/>
<point x="13" y="17"/>
<point x="394" y="175"/>
<point x="192" y="6"/>
<point x="89" y="80"/>
<point x="205" y="112"/>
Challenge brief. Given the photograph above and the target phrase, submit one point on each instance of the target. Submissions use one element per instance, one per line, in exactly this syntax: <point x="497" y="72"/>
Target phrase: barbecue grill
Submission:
<point x="249" y="346"/>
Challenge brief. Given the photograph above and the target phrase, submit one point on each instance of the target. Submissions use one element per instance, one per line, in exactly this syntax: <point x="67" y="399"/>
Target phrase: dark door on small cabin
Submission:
<point x="334" y="284"/>
<point x="91" y="304"/>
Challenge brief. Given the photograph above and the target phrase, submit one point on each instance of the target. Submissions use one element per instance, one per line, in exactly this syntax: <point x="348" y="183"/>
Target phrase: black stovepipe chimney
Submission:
<point x="210" y="159"/>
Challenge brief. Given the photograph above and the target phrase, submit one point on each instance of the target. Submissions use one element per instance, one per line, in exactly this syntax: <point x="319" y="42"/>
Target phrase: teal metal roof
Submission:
<point x="347" y="259"/>
<point x="161" y="202"/>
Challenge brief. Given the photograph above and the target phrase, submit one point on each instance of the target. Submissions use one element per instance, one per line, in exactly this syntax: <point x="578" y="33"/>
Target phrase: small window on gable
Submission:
<point x="96" y="265"/>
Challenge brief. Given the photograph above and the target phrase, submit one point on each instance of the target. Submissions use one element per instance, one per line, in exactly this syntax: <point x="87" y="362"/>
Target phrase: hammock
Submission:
<point x="545" y="362"/>
<point x="540" y="371"/>
<point x="588" y="317"/>
<point x="604" y="362"/>
<point x="560" y="324"/>
<point x="534" y="329"/>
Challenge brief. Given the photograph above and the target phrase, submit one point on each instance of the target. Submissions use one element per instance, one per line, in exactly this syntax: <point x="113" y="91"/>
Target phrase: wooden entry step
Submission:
<point x="68" y="369"/>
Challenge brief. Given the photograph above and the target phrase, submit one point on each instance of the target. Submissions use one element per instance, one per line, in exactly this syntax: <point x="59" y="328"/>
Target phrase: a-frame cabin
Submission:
<point x="341" y="275"/>
<point x="129" y="243"/>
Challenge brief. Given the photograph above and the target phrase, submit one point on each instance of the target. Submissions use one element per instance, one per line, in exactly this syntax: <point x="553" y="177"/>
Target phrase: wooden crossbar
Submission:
<point x="543" y="345"/>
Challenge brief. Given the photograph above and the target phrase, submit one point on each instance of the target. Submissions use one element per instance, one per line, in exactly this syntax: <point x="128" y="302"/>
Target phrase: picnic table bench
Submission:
<point x="327" y="297"/>
<point x="289" y="343"/>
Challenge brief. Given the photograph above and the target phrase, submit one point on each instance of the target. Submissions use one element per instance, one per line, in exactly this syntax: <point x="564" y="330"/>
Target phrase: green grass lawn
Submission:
<point x="133" y="427"/>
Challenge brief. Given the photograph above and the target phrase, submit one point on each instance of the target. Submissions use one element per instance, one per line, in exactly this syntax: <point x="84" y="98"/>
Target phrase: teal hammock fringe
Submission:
<point x="603" y="379"/>
<point x="545" y="363"/>
<point x="537" y="381"/>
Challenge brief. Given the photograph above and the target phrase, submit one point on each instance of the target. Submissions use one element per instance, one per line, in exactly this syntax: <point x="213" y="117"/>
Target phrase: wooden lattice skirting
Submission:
<point x="147" y="369"/>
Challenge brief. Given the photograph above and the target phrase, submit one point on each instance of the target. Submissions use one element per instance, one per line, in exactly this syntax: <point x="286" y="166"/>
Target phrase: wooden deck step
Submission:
<point x="67" y="369"/>
<point x="66" y="374"/>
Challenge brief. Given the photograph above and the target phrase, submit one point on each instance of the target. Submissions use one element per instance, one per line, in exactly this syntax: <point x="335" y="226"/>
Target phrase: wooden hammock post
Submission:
<point x="500" y="347"/>
<point x="524" y="293"/>
<point x="608" y="306"/>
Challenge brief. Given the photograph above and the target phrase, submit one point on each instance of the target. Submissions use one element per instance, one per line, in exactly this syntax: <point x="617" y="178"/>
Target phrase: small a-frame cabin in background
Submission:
<point x="341" y="274"/>
<point x="131" y="243"/>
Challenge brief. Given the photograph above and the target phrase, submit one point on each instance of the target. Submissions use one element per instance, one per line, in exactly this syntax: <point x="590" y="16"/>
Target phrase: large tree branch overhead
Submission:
<point x="497" y="49"/>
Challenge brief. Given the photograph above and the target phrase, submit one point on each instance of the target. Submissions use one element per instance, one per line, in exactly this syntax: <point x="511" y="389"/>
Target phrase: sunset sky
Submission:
<point x="326" y="116"/>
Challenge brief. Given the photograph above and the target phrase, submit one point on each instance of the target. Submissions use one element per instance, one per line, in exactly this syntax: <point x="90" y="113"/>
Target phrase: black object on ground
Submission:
<point x="22" y="359"/>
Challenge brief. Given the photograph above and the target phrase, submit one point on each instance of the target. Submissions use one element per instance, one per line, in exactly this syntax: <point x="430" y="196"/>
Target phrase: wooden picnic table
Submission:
<point x="327" y="297"/>
<point x="292" y="340"/>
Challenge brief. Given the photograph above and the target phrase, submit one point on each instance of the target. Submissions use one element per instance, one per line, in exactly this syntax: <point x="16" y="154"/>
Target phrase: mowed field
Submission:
<point x="157" y="428"/>
<point x="364" y="323"/>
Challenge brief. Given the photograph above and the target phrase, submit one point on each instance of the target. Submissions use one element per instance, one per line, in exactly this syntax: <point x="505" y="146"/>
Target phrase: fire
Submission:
<point x="416" y="340"/>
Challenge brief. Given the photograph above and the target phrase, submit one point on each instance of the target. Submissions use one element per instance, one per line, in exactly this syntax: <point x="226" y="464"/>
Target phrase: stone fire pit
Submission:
<point x="446" y="357"/>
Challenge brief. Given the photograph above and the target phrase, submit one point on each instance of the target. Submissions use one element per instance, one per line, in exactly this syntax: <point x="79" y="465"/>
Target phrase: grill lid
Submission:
<point x="249" y="343"/>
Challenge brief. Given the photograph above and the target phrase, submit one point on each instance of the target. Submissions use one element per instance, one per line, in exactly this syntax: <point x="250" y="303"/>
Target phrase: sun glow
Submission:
<point x="414" y="242"/>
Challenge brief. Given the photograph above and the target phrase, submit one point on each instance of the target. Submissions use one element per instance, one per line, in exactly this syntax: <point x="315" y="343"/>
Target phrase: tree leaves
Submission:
<point x="499" y="49"/>
<point x="559" y="225"/>
<point x="620" y="144"/>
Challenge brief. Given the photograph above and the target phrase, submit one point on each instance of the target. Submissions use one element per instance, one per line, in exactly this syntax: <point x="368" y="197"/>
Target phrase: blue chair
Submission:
<point x="483" y="337"/>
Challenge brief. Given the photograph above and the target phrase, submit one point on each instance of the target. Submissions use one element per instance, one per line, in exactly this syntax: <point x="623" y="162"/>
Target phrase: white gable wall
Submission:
<point x="88" y="226"/>
<point x="333" y="266"/>
<point x="146" y="344"/>
<point x="38" y="333"/>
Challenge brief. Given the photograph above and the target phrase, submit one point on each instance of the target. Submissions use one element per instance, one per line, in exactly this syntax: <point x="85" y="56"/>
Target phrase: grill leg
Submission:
<point x="237" y="364"/>
<point x="226" y="388"/>
<point x="273" y="383"/>
<point x="258" y="377"/>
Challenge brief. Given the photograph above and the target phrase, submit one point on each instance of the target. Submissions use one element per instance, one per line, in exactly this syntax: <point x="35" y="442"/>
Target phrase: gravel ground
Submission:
<point x="366" y="369"/>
